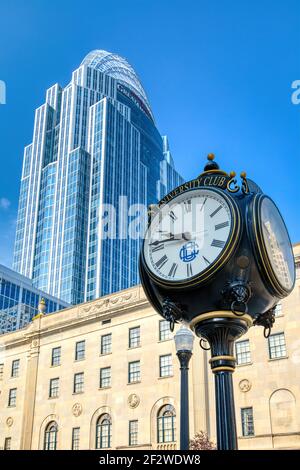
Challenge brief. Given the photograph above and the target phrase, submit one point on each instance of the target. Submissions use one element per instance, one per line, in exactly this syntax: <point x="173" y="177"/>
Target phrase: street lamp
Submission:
<point x="184" y="340"/>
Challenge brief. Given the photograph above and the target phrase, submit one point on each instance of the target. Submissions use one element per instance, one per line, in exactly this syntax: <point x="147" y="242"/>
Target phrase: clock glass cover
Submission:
<point x="188" y="235"/>
<point x="277" y="244"/>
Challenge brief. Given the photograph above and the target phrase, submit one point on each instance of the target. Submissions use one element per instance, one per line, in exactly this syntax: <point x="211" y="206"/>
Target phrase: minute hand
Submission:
<point x="176" y="237"/>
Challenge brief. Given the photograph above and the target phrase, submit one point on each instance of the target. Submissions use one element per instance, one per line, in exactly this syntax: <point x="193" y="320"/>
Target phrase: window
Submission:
<point x="15" y="367"/>
<point x="242" y="352"/>
<point x="134" y="337"/>
<point x="12" y="397"/>
<point x="50" y="438"/>
<point x="165" y="365"/>
<point x="297" y="264"/>
<point x="103" y="432"/>
<point x="247" y="422"/>
<point x="134" y="372"/>
<point x="1" y="371"/>
<point x="105" y="322"/>
<point x="164" y="330"/>
<point x="166" y="424"/>
<point x="80" y="351"/>
<point x="78" y="382"/>
<point x="278" y="310"/>
<point x="55" y="357"/>
<point x="133" y="432"/>
<point x="75" y="438"/>
<point x="7" y="443"/>
<point x="277" y="346"/>
<point x="106" y="344"/>
<point x="54" y="388"/>
<point x="105" y="377"/>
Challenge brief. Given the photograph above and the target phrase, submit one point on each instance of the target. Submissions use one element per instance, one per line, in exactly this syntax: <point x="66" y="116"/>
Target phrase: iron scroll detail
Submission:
<point x="172" y="312"/>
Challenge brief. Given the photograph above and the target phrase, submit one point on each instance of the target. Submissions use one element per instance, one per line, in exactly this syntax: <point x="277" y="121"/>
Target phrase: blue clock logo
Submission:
<point x="189" y="252"/>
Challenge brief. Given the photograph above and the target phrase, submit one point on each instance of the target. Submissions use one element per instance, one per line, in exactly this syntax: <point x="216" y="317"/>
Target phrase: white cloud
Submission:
<point x="4" y="203"/>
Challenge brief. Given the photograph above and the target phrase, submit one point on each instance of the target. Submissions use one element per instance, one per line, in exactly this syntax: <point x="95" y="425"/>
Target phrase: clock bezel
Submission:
<point x="264" y="263"/>
<point x="220" y="261"/>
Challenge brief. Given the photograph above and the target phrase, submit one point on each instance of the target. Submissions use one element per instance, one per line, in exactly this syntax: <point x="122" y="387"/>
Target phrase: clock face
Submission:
<point x="188" y="235"/>
<point x="277" y="244"/>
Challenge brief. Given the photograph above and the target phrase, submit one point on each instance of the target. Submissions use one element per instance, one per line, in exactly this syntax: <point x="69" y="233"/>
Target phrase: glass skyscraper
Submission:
<point x="94" y="143"/>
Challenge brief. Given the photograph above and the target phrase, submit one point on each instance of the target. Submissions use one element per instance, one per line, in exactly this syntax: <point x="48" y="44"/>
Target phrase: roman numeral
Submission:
<point x="203" y="203"/>
<point x="157" y="248"/>
<point x="222" y="225"/>
<point x="216" y="211"/>
<point x="188" y="205"/>
<point x="161" y="262"/>
<point x="206" y="260"/>
<point x="172" y="215"/>
<point x="218" y="243"/>
<point x="173" y="270"/>
<point x="189" y="270"/>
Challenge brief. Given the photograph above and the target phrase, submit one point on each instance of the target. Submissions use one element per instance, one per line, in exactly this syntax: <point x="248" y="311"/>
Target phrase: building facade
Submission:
<point x="105" y="375"/>
<point x="95" y="160"/>
<point x="19" y="300"/>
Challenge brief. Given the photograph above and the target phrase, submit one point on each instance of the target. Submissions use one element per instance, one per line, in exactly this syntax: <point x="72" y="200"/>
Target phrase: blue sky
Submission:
<point x="218" y="75"/>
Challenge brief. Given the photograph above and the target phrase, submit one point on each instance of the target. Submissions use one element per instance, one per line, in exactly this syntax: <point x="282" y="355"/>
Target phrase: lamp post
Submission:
<point x="184" y="340"/>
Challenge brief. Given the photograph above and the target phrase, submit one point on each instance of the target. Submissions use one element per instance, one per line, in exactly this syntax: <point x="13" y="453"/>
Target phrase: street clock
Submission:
<point x="211" y="245"/>
<point x="217" y="257"/>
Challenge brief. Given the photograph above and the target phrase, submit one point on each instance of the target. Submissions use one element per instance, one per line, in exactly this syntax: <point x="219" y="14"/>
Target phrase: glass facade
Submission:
<point x="19" y="300"/>
<point x="94" y="143"/>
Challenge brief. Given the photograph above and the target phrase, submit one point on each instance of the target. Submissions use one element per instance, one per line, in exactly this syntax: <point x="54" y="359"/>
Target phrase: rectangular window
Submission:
<point x="242" y="352"/>
<point x="247" y="421"/>
<point x="78" y="382"/>
<point x="134" y="372"/>
<point x="55" y="356"/>
<point x="133" y="432"/>
<point x="106" y="344"/>
<point x="105" y="377"/>
<point x="1" y="371"/>
<point x="134" y="337"/>
<point x="54" y="388"/>
<point x="80" y="351"/>
<point x="165" y="365"/>
<point x="277" y="346"/>
<point x="15" y="368"/>
<point x="164" y="330"/>
<point x="297" y="264"/>
<point x="75" y="438"/>
<point x="12" y="397"/>
<point x="278" y="310"/>
<point x="7" y="443"/>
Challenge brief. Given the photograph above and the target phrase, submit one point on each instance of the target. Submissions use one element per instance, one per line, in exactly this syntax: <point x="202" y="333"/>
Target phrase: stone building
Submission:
<point x="104" y="374"/>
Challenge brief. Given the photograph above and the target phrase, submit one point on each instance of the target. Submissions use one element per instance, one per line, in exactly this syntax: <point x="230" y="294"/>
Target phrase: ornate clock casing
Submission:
<point x="213" y="245"/>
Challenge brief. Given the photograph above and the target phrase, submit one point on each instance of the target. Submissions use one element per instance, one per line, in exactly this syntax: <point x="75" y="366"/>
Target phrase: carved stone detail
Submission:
<point x="9" y="421"/>
<point x="77" y="409"/>
<point x="133" y="400"/>
<point x="245" y="385"/>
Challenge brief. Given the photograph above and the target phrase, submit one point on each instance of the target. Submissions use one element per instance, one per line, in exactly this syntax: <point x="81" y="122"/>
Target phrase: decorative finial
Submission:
<point x="232" y="174"/>
<point x="42" y="306"/>
<point x="243" y="174"/>
<point x="211" y="165"/>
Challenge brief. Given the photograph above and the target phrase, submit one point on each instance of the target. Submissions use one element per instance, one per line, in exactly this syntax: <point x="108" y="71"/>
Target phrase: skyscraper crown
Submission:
<point x="118" y="68"/>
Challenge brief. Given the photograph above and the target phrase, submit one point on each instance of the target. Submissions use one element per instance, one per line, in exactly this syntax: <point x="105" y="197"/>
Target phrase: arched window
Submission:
<point x="166" y="424"/>
<point x="103" y="432"/>
<point x="50" y="441"/>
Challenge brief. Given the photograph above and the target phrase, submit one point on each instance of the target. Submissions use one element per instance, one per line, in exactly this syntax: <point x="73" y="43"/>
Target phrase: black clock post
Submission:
<point x="222" y="278"/>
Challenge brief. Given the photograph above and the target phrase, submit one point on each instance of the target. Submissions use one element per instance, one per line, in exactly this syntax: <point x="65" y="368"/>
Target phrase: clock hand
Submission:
<point x="175" y="237"/>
